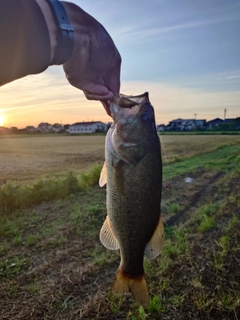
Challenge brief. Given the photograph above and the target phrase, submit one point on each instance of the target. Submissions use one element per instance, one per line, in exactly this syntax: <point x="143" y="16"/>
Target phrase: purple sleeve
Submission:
<point x="24" y="42"/>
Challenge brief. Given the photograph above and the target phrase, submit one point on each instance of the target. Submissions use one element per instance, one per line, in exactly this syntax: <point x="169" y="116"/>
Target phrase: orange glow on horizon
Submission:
<point x="48" y="98"/>
<point x="2" y="120"/>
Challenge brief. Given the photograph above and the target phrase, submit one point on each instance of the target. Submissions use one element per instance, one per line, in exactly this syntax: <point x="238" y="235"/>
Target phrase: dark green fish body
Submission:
<point x="133" y="173"/>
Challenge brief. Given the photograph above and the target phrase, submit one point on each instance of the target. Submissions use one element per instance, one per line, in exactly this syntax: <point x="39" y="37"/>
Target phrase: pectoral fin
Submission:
<point x="103" y="175"/>
<point x="107" y="236"/>
<point x="155" y="245"/>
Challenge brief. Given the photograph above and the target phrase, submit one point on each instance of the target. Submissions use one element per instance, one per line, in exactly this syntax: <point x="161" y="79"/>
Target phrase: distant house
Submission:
<point x="214" y="123"/>
<point x="44" y="127"/>
<point x="57" y="128"/>
<point x="231" y="124"/>
<point x="229" y="120"/>
<point x="14" y="129"/>
<point x="185" y="124"/>
<point x="66" y="127"/>
<point x="4" y="130"/>
<point x="87" y="127"/>
<point x="31" y="129"/>
<point x="237" y="123"/>
<point x="161" y="127"/>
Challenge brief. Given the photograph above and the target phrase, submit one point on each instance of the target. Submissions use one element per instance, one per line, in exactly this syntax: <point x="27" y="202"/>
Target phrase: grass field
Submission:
<point x="26" y="158"/>
<point x="52" y="265"/>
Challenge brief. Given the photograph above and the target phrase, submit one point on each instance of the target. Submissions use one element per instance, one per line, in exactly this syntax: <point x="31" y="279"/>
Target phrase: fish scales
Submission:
<point x="133" y="173"/>
<point x="131" y="219"/>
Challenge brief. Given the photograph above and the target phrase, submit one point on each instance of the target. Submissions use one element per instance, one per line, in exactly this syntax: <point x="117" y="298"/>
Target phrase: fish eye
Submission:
<point x="144" y="116"/>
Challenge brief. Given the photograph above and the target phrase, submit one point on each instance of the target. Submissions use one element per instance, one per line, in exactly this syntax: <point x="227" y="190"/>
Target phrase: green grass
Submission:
<point x="86" y="217"/>
<point x="173" y="208"/>
<point x="224" y="244"/>
<point x="206" y="223"/>
<point x="11" y="227"/>
<point x="15" y="196"/>
<point x="12" y="266"/>
<point x="33" y="287"/>
<point x="32" y="239"/>
<point x="224" y="158"/>
<point x="156" y="304"/>
<point x="4" y="247"/>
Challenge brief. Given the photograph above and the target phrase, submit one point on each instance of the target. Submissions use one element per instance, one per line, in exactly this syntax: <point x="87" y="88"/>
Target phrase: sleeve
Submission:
<point x="24" y="40"/>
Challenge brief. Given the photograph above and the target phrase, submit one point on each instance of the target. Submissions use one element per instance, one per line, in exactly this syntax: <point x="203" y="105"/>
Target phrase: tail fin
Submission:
<point x="137" y="286"/>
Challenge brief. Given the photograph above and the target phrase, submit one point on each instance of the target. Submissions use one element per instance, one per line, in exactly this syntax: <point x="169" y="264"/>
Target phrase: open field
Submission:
<point x="26" y="158"/>
<point x="53" y="266"/>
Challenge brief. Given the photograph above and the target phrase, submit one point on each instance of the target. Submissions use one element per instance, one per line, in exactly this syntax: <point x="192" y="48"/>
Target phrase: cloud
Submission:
<point x="235" y="77"/>
<point x="140" y="30"/>
<point x="229" y="77"/>
<point x="45" y="90"/>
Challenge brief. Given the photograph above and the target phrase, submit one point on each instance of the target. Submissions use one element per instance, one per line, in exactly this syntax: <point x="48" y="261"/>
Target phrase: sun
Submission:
<point x="1" y="120"/>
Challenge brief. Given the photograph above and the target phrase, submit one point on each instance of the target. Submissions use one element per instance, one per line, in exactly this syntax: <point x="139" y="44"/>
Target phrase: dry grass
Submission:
<point x="26" y="158"/>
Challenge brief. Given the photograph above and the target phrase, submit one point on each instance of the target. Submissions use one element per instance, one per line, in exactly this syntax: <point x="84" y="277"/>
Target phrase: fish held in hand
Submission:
<point x="133" y="174"/>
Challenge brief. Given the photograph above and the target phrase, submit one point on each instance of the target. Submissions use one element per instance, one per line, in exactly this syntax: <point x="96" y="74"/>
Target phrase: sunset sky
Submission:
<point x="185" y="53"/>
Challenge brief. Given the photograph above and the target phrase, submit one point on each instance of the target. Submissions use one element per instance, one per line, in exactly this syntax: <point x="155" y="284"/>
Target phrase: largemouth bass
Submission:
<point x="133" y="174"/>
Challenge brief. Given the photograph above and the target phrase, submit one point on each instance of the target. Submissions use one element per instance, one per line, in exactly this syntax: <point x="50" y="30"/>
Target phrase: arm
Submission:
<point x="94" y="66"/>
<point x="24" y="40"/>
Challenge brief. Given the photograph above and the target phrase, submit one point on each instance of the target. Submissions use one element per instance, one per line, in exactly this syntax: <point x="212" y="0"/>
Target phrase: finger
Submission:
<point x="113" y="77"/>
<point x="92" y="96"/>
<point x="106" y="107"/>
<point x="92" y="88"/>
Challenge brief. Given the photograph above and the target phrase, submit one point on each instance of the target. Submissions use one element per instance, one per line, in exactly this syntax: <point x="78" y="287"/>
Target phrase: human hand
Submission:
<point x="94" y="66"/>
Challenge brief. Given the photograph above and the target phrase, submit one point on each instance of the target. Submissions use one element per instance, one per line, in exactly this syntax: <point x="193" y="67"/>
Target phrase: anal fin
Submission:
<point x="155" y="245"/>
<point x="107" y="236"/>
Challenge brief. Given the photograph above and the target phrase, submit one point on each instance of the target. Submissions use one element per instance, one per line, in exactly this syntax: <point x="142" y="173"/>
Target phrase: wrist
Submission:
<point x="85" y="29"/>
<point x="51" y="25"/>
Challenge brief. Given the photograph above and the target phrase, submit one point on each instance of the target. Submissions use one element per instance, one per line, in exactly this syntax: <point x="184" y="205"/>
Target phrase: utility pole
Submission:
<point x="195" y="114"/>
<point x="225" y="113"/>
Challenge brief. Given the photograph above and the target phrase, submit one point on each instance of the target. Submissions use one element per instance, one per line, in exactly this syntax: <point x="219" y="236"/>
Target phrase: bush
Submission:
<point x="16" y="196"/>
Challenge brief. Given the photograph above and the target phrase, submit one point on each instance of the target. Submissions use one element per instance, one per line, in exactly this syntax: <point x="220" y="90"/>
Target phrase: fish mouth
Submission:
<point x="125" y="101"/>
<point x="124" y="104"/>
